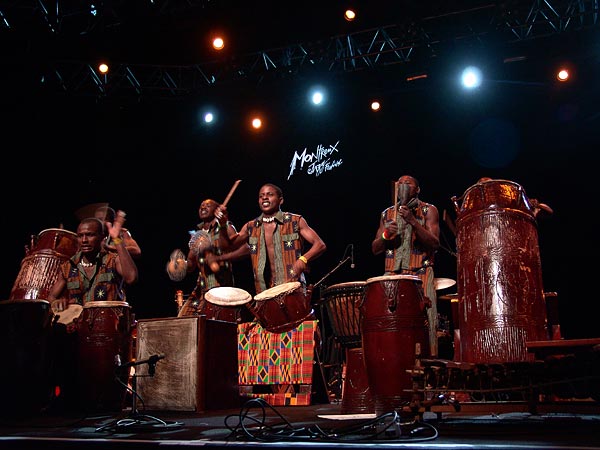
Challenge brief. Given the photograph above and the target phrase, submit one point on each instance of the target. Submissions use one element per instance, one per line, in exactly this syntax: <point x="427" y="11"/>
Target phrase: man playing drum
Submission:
<point x="408" y="235"/>
<point x="204" y="241"/>
<point x="94" y="279"/>
<point x="275" y="242"/>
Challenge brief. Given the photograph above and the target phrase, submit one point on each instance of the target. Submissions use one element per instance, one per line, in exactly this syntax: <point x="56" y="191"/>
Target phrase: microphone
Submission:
<point x="352" y="256"/>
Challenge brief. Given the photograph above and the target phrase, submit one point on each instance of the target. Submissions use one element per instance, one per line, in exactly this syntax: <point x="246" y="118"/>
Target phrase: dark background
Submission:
<point x="154" y="159"/>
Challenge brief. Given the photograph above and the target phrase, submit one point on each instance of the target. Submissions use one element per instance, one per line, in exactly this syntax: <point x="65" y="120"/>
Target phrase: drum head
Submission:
<point x="67" y="316"/>
<point x="227" y="296"/>
<point x="107" y="304"/>
<point x="344" y="286"/>
<point x="277" y="290"/>
<point x="393" y="277"/>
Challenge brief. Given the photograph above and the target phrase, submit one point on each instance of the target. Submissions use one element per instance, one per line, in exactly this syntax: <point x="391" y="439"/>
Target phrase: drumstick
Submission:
<point x="231" y="191"/>
<point x="214" y="266"/>
<point x="396" y="200"/>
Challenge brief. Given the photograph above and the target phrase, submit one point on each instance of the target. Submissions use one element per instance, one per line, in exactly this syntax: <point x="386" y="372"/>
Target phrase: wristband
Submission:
<point x="385" y="237"/>
<point x="303" y="259"/>
<point x="117" y="241"/>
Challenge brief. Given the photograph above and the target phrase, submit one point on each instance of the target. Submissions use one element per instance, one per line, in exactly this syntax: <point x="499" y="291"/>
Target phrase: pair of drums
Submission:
<point x="384" y="317"/>
<point x="279" y="309"/>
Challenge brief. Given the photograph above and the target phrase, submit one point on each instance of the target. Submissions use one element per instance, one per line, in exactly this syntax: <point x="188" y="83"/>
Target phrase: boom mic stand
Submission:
<point x="136" y="421"/>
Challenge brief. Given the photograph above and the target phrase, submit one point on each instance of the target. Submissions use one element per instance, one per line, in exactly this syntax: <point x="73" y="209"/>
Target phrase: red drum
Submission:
<point x="357" y="397"/>
<point x="40" y="268"/>
<point x="227" y="304"/>
<point x="499" y="274"/>
<point x="281" y="308"/>
<point x="26" y="344"/>
<point x="104" y="332"/>
<point x="342" y="302"/>
<point x="394" y="335"/>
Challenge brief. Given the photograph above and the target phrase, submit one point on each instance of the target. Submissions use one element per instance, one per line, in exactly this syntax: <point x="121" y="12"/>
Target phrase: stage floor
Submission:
<point x="569" y="424"/>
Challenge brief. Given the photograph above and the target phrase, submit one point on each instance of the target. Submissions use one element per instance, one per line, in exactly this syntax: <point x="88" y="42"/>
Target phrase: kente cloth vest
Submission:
<point x="105" y="284"/>
<point x="207" y="279"/>
<point x="288" y="245"/>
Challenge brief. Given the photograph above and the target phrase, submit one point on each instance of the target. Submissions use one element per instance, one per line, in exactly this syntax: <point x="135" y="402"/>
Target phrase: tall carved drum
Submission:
<point x="394" y="335"/>
<point x="40" y="267"/>
<point x="499" y="273"/>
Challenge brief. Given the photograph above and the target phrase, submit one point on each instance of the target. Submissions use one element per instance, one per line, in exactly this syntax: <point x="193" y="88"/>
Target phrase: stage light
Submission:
<point x="317" y="96"/>
<point x="562" y="75"/>
<point x="103" y="68"/>
<point x="256" y="123"/>
<point x="375" y="105"/>
<point x="350" y="14"/>
<point x="209" y="117"/>
<point x="471" y="77"/>
<point x="218" y="43"/>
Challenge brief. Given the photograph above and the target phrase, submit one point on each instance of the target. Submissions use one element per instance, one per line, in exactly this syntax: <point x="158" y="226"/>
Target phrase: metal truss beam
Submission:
<point x="418" y="40"/>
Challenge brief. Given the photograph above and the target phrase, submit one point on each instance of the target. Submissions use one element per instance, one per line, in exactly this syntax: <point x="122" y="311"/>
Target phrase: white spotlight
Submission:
<point x="471" y="77"/>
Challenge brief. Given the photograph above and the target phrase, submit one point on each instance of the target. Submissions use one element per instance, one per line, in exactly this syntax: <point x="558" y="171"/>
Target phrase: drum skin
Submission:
<point x="104" y="331"/>
<point x="26" y="345"/>
<point x="220" y="303"/>
<point x="499" y="274"/>
<point x="394" y="335"/>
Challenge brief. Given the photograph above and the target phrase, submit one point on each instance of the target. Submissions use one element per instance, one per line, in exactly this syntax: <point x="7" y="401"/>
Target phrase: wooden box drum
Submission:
<point x="499" y="274"/>
<point x="281" y="308"/>
<point x="40" y="268"/>
<point x="394" y="335"/>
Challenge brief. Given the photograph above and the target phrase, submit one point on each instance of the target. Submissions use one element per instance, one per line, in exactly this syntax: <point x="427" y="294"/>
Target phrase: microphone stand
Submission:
<point x="134" y="420"/>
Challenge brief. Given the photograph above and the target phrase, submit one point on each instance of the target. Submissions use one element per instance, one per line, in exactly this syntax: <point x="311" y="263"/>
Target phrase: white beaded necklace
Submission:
<point x="268" y="219"/>
<point x="84" y="264"/>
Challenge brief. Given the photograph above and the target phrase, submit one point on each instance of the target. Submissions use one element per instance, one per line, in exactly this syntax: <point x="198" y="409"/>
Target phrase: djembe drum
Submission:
<point x="342" y="304"/>
<point x="220" y="303"/>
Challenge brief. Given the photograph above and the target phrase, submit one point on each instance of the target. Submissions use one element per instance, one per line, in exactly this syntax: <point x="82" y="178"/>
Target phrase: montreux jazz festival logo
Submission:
<point x="316" y="163"/>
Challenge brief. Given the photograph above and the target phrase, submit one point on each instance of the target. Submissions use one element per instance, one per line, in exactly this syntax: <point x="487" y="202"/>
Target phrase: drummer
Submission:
<point x="93" y="273"/>
<point x="208" y="278"/>
<point x="409" y="233"/>
<point x="275" y="241"/>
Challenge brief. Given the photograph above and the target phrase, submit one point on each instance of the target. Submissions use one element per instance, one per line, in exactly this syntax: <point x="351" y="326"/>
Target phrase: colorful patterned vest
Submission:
<point x="288" y="246"/>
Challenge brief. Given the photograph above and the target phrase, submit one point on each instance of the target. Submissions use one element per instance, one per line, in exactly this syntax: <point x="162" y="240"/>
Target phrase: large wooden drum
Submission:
<point x="394" y="336"/>
<point x="40" y="267"/>
<point x="104" y="339"/>
<point x="499" y="274"/>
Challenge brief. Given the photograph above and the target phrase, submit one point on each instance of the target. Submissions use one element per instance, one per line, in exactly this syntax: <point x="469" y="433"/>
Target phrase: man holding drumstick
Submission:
<point x="408" y="236"/>
<point x="275" y="242"/>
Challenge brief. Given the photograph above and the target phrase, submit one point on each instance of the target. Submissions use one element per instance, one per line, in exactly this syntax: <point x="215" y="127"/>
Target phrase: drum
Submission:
<point x="499" y="274"/>
<point x="26" y="346"/>
<point x="227" y="304"/>
<point x="104" y="332"/>
<point x="342" y="303"/>
<point x="40" y="268"/>
<point x="66" y="316"/>
<point x="394" y="336"/>
<point x="281" y="308"/>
